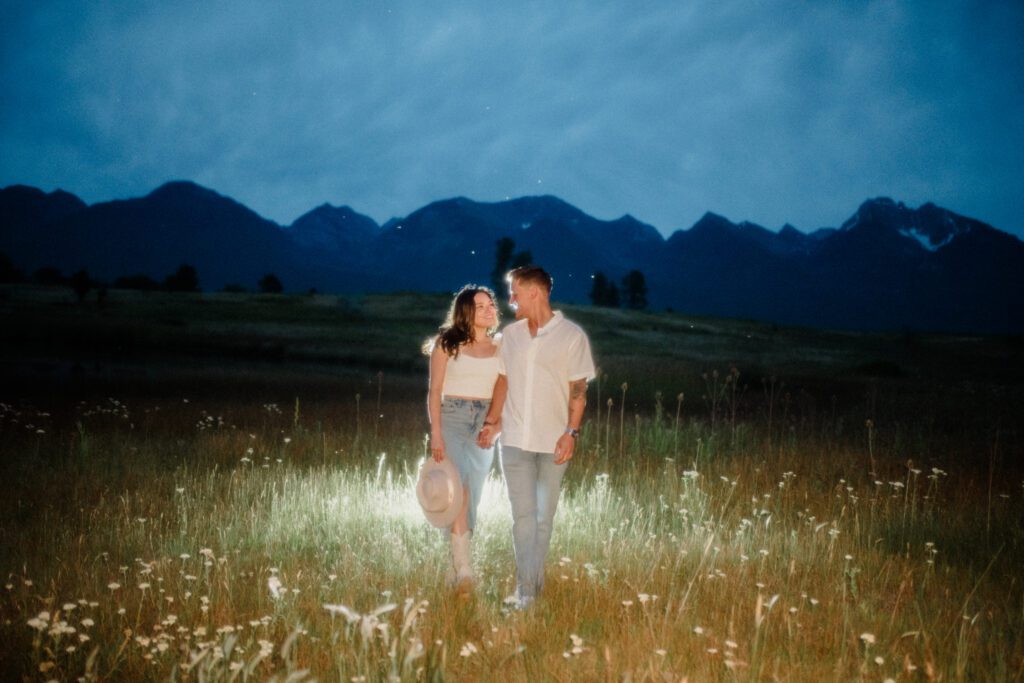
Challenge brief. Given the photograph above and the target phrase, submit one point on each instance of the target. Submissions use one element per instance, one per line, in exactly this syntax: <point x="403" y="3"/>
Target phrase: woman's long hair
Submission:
<point x="458" y="325"/>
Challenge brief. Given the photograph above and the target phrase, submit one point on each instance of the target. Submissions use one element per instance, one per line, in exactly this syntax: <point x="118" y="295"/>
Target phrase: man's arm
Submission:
<point x="566" y="443"/>
<point x="492" y="423"/>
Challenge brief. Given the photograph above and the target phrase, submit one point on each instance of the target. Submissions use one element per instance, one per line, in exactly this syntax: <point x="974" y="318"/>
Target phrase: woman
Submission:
<point x="463" y="370"/>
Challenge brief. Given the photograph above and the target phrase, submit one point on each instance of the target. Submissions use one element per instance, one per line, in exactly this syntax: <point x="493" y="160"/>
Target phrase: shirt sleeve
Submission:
<point x="501" y="356"/>
<point x="581" y="363"/>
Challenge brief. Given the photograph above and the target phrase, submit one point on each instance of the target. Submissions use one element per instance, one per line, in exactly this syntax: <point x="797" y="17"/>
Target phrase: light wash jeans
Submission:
<point x="533" y="481"/>
<point x="461" y="421"/>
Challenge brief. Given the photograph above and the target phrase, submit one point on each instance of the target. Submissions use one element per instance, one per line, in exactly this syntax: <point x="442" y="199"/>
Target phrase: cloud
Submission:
<point x="771" y="112"/>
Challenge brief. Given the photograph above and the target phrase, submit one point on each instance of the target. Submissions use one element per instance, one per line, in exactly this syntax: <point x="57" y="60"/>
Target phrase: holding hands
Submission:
<point x="487" y="435"/>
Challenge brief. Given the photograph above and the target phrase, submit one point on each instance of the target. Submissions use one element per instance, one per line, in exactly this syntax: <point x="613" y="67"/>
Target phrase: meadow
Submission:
<point x="221" y="487"/>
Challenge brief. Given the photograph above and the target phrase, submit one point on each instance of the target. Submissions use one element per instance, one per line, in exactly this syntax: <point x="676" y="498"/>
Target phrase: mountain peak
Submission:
<point x="184" y="189"/>
<point x="335" y="228"/>
<point x="712" y="221"/>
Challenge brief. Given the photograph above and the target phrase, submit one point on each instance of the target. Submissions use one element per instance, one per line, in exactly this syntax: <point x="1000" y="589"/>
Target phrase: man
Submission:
<point x="537" y="408"/>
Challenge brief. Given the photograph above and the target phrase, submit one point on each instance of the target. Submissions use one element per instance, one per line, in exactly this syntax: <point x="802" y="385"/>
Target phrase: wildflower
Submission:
<point x="660" y="652"/>
<point x="868" y="638"/>
<point x="113" y="585"/>
<point x="627" y="603"/>
<point x="40" y="622"/>
<point x="143" y="586"/>
<point x="468" y="650"/>
<point x="68" y="606"/>
<point x="87" y="622"/>
<point x="577" y="645"/>
<point x="731" y="644"/>
<point x="699" y="630"/>
<point x="274" y="584"/>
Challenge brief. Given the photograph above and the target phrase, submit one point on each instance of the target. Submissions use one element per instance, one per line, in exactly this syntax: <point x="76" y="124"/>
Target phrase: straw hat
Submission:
<point x="439" y="491"/>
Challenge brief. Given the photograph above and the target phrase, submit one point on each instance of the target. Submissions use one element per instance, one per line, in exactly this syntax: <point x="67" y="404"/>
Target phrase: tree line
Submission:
<point x="603" y="291"/>
<point x="184" y="279"/>
<point x="631" y="292"/>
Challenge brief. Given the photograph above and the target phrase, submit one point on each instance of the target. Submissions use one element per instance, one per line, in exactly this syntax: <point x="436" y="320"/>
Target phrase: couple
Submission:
<point x="529" y="385"/>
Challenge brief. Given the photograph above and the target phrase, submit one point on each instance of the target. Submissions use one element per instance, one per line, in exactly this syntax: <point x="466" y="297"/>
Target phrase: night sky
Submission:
<point x="771" y="112"/>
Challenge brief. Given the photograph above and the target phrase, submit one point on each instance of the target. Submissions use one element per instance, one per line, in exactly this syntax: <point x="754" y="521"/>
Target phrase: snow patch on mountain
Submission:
<point x="925" y="240"/>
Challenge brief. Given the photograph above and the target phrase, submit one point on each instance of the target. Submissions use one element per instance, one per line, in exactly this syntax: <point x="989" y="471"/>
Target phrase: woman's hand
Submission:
<point x="437" y="447"/>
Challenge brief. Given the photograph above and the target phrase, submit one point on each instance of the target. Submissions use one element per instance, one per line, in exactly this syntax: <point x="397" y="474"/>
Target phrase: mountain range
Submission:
<point x="888" y="267"/>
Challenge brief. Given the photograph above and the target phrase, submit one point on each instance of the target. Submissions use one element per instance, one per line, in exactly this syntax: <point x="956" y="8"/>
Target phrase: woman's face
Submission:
<point x="485" y="312"/>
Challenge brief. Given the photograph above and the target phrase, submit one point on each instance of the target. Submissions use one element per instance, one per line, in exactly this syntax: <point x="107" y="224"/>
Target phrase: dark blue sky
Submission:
<point x="760" y="111"/>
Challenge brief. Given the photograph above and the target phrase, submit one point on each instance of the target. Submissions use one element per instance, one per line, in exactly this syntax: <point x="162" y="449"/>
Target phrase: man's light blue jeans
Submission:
<point x="533" y="481"/>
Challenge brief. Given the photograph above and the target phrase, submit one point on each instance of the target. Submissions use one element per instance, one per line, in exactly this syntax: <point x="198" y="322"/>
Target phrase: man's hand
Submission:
<point x="564" y="447"/>
<point x="487" y="435"/>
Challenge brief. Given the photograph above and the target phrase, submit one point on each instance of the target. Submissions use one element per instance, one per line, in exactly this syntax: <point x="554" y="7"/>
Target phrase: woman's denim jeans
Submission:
<point x="461" y="421"/>
<point x="533" y="481"/>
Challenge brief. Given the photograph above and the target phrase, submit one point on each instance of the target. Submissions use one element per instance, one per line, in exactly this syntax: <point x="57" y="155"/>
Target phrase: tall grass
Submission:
<point x="235" y="541"/>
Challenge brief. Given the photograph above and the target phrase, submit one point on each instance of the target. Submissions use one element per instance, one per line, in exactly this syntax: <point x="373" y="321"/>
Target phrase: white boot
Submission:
<point x="462" y="559"/>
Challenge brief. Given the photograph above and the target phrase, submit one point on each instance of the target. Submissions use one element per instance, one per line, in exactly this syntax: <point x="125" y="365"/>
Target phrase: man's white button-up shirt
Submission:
<point x="539" y="370"/>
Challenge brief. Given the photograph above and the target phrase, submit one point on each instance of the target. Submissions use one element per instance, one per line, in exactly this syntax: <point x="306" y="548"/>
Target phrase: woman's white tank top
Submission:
<point x="471" y="377"/>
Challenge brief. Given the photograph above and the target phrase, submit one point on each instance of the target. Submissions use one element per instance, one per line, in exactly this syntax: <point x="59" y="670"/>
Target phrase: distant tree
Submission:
<point x="522" y="258"/>
<point x="505" y="259"/>
<point x="503" y="249"/>
<point x="185" y="279"/>
<point x="234" y="289"/>
<point x="270" y="284"/>
<point x="603" y="291"/>
<point x="634" y="290"/>
<point x="82" y="284"/>
<point x="8" y="272"/>
<point x="141" y="282"/>
<point x="48" y="275"/>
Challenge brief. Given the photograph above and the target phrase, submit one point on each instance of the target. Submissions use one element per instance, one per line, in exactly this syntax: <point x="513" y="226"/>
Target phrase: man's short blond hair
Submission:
<point x="534" y="275"/>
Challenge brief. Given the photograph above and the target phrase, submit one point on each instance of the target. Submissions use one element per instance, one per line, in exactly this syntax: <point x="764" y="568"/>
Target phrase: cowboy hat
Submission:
<point x="439" y="491"/>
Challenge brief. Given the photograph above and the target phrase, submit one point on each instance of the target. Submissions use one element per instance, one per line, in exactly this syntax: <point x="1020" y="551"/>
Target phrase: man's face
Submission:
<point x="519" y="298"/>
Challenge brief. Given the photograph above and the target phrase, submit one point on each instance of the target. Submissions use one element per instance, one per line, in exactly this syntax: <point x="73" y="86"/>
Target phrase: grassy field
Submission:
<point x="220" y="487"/>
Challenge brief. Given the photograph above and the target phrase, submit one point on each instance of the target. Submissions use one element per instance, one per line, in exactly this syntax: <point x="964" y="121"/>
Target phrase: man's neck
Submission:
<point x="540" y="319"/>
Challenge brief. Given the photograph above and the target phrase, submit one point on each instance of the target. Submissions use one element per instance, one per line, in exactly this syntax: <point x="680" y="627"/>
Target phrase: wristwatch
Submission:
<point x="574" y="433"/>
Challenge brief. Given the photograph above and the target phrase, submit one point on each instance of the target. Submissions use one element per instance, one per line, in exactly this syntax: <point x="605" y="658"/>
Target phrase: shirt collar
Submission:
<point x="556" y="319"/>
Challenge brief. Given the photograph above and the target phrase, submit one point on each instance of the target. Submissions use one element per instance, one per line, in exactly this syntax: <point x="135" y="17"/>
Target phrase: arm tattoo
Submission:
<point x="578" y="390"/>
